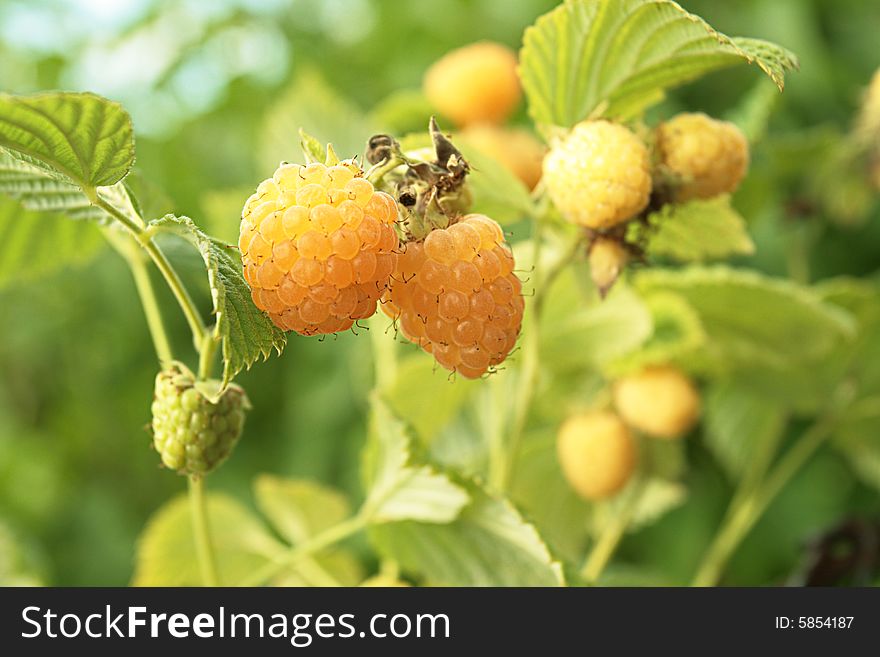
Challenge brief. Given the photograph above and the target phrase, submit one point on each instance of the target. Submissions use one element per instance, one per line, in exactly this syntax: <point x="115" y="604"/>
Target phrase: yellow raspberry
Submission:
<point x="709" y="156"/>
<point x="660" y="401"/>
<point x="868" y="120"/>
<point x="517" y="149"/>
<point x="475" y="83"/>
<point x="455" y="295"/>
<point x="597" y="454"/>
<point x="607" y="260"/>
<point x="318" y="246"/>
<point x="599" y="175"/>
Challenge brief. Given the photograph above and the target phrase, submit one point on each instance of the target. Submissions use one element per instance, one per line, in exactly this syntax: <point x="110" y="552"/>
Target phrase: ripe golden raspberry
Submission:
<point x="475" y="83"/>
<point x="192" y="434"/>
<point x="318" y="245"/>
<point x="709" y="156"/>
<point x="456" y="296"/>
<point x="597" y="454"/>
<point x="517" y="149"/>
<point x="607" y="260"/>
<point x="599" y="175"/>
<point x="660" y="401"/>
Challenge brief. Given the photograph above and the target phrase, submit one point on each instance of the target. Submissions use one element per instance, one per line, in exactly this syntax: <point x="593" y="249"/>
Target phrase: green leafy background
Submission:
<point x="218" y="110"/>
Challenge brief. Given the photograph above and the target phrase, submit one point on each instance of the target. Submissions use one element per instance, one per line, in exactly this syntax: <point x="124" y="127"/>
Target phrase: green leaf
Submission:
<point x="31" y="186"/>
<point x="86" y="139"/>
<point x="489" y="544"/>
<point x="695" y="231"/>
<point x="36" y="244"/>
<point x="397" y="488"/>
<point x="311" y="105"/>
<point x="541" y="491"/>
<point x="246" y="333"/>
<point x="751" y="319"/>
<point x="614" y="58"/>
<point x="676" y="333"/>
<point x="426" y="398"/>
<point x="741" y="425"/>
<point x="859" y="441"/>
<point x="166" y="551"/>
<point x="298" y="508"/>
<point x="601" y="331"/>
<point x="312" y="149"/>
<point x="497" y="192"/>
<point x="658" y="497"/>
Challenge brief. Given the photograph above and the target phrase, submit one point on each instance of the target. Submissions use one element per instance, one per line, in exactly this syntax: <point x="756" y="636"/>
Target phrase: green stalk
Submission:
<point x="528" y="379"/>
<point x="204" y="342"/>
<point x="171" y="277"/>
<point x="207" y="350"/>
<point x="611" y="535"/>
<point x="748" y="507"/>
<point x="151" y="310"/>
<point x="296" y="555"/>
<point x="202" y="529"/>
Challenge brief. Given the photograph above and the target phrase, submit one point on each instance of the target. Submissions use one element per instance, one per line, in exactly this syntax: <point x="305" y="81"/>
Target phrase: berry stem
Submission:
<point x="207" y="350"/>
<point x="746" y="509"/>
<point x="305" y="550"/>
<point x="168" y="272"/>
<point x="612" y="532"/>
<point x="202" y="529"/>
<point x="135" y="260"/>
<point x="528" y="379"/>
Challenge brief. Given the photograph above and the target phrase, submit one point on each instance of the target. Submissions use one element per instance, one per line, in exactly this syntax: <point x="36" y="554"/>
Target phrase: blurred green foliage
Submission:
<point x="204" y="83"/>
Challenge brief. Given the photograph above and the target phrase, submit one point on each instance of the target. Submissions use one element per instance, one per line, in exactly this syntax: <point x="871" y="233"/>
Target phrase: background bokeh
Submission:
<point x="214" y="89"/>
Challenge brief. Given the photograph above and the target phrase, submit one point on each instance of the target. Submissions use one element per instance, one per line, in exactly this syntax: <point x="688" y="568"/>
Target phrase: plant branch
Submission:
<point x="528" y="380"/>
<point x="611" y="534"/>
<point x="202" y="530"/>
<point x="747" y="508"/>
<point x="171" y="277"/>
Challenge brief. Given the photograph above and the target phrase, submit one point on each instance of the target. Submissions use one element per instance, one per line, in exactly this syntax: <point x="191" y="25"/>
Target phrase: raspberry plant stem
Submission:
<point x="746" y="508"/>
<point x="543" y="281"/>
<point x="202" y="529"/>
<point x="134" y="258"/>
<point x="203" y="340"/>
<point x="612" y="532"/>
<point x="207" y="350"/>
<point x="151" y="310"/>
<point x="144" y="238"/>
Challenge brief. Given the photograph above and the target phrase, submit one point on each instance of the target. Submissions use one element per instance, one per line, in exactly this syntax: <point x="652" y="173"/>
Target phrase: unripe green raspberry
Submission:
<point x="599" y="175"/>
<point x="192" y="434"/>
<point x="710" y="157"/>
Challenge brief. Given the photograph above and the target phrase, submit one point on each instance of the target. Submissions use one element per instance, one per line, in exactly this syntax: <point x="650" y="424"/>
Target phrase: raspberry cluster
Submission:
<point x="192" y="434"/>
<point x="318" y="246"/>
<point x="710" y="157"/>
<point x="456" y="296"/>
